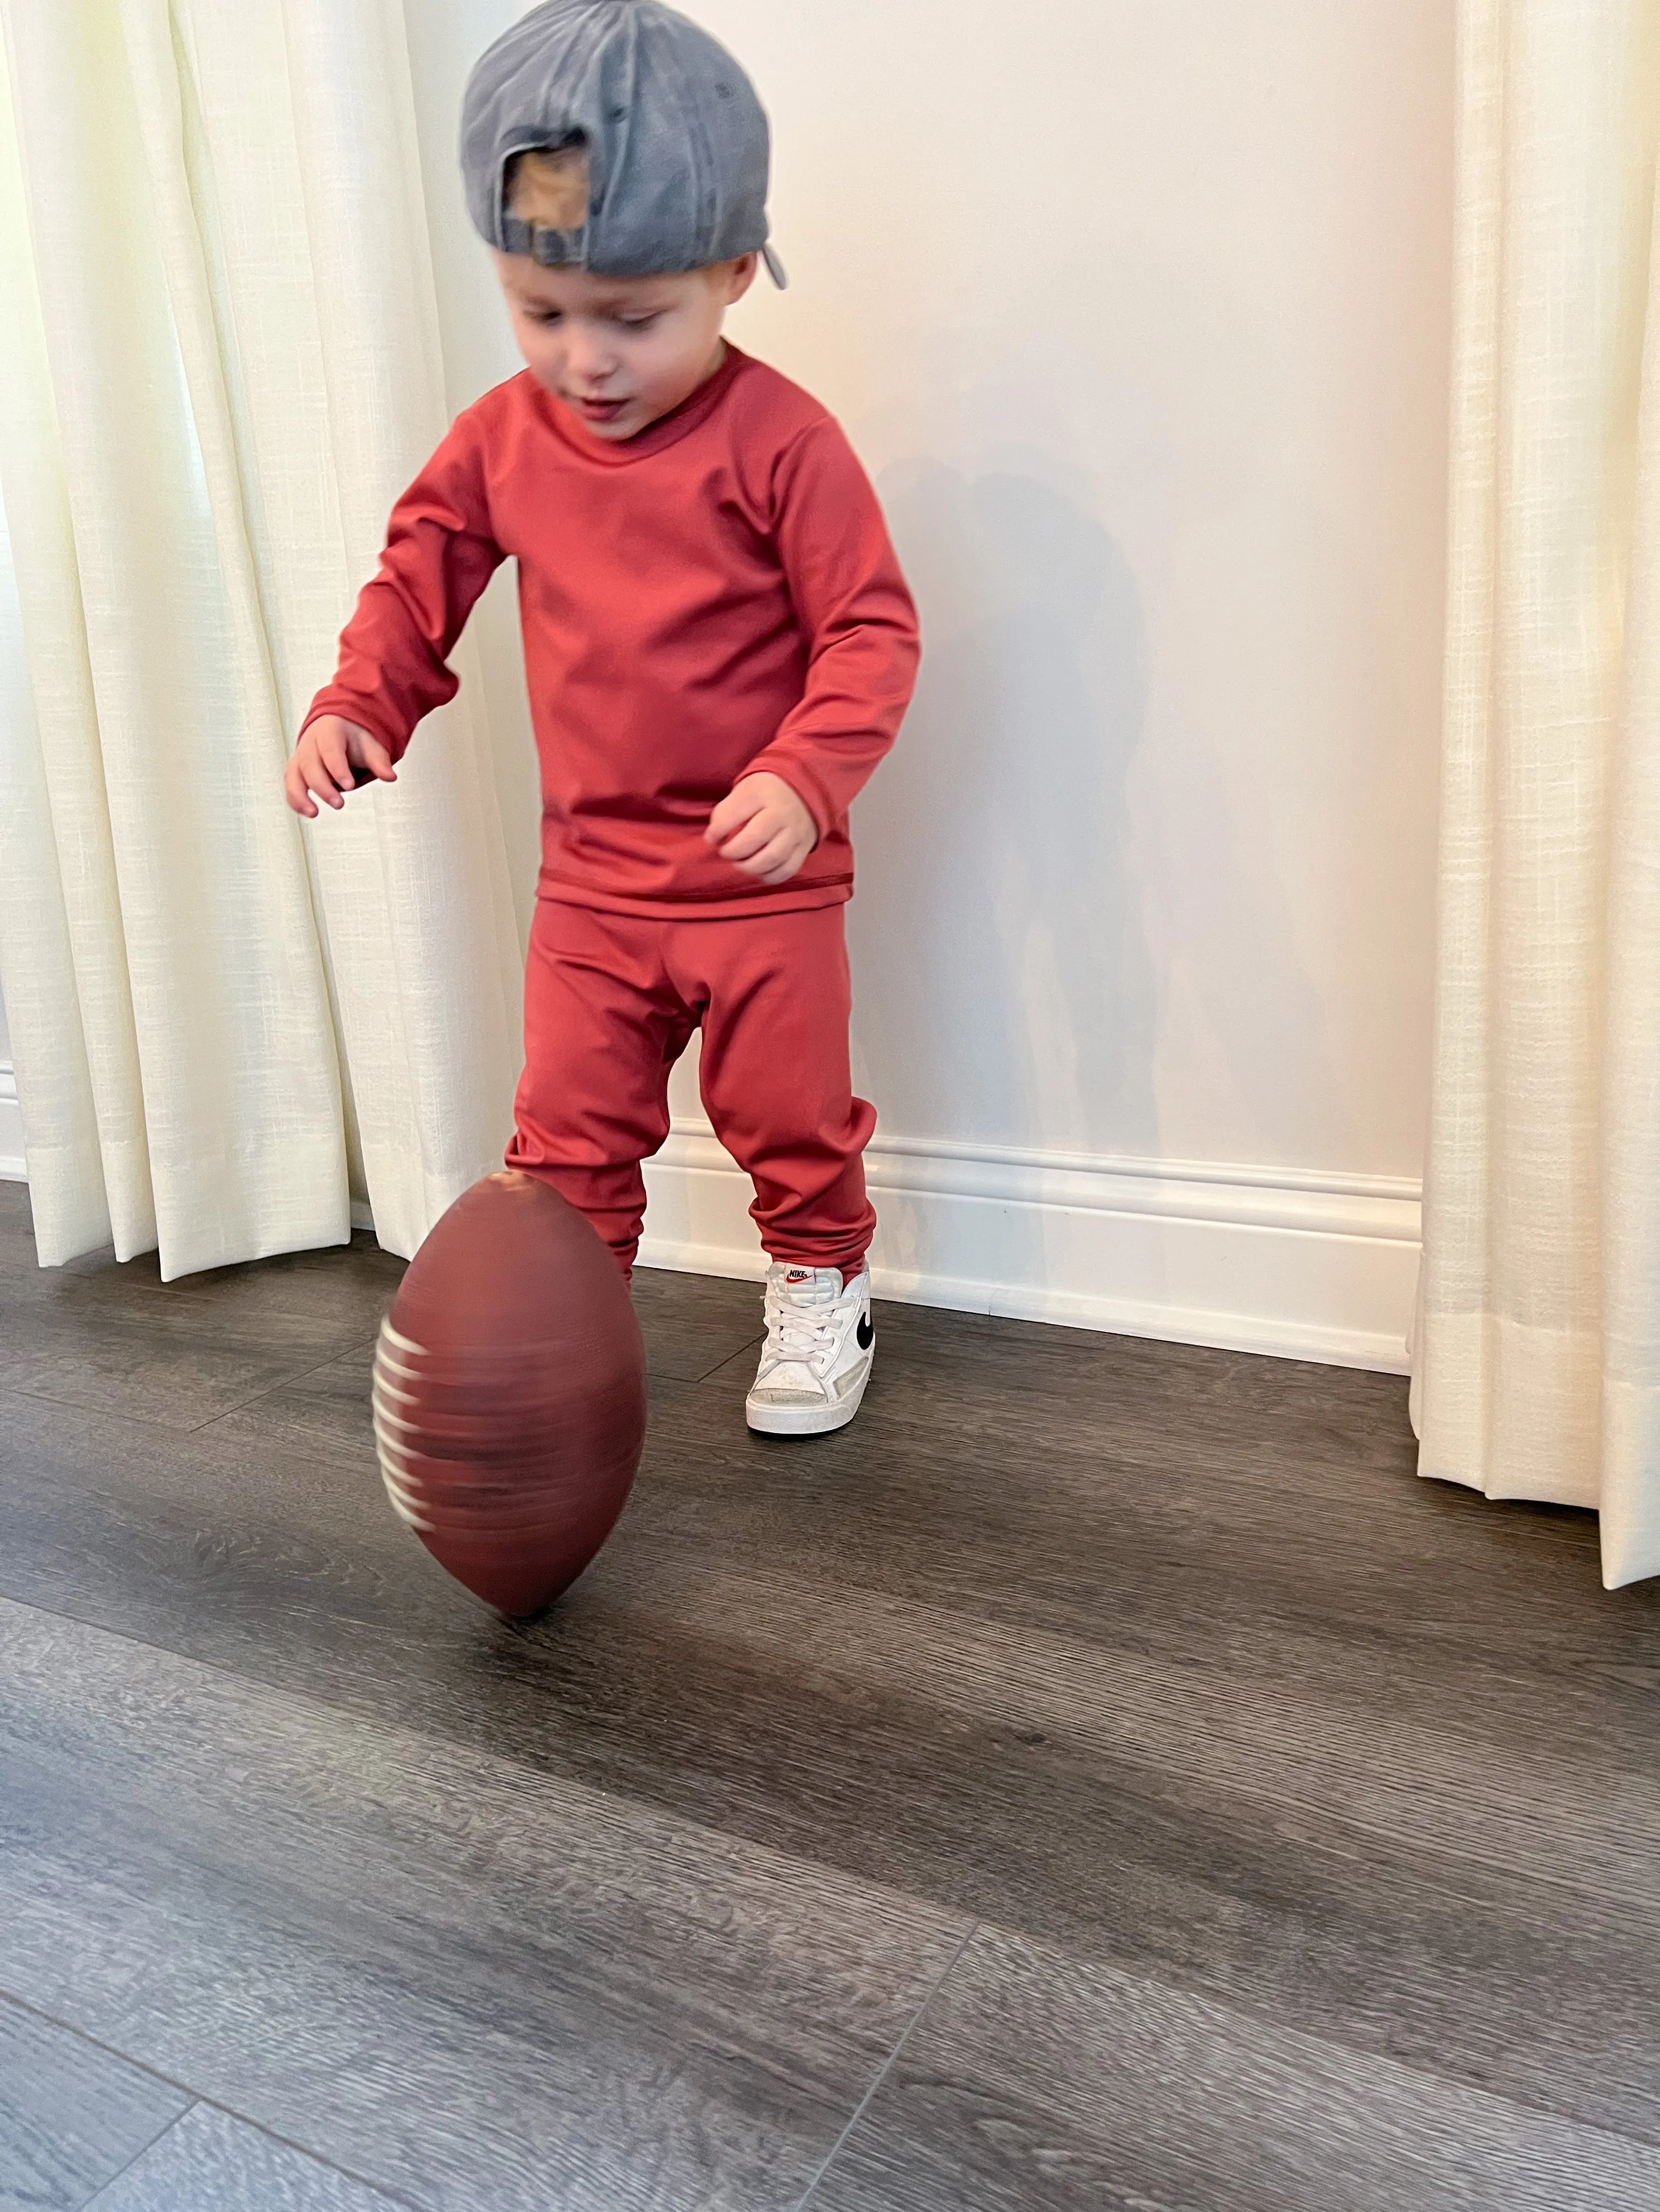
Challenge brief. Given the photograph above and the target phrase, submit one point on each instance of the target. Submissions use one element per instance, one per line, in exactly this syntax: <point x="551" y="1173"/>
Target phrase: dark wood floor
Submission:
<point x="1104" y="1777"/>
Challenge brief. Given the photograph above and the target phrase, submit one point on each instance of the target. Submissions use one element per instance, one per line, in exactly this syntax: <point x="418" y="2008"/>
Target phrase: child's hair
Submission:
<point x="547" y="187"/>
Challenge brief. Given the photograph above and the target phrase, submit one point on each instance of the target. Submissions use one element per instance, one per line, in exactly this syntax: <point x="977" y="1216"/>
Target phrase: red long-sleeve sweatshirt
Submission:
<point x="714" y="596"/>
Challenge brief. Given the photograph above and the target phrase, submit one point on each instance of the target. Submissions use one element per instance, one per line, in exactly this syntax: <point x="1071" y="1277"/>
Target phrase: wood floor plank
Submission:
<point x="687" y="1337"/>
<point x="326" y="1411"/>
<point x="176" y="1360"/>
<point x="319" y="1415"/>
<point x="1158" y="1657"/>
<point x="940" y="1373"/>
<point x="71" y="2116"/>
<point x="351" y="1287"/>
<point x="347" y="1287"/>
<point x="473" y="1986"/>
<point x="1423" y="1851"/>
<point x="322" y="1415"/>
<point x="210" y="2162"/>
<point x="20" y="1271"/>
<point x="1445" y="1609"/>
<point x="1036" y="2082"/>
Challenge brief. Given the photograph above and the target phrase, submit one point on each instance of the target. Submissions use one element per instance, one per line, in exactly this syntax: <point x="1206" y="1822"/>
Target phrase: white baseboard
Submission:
<point x="12" y="1168"/>
<point x="1299" y="1264"/>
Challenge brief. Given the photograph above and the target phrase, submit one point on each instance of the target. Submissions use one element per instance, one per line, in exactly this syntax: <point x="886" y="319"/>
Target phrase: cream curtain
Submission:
<point x="221" y="362"/>
<point x="1537" y="1352"/>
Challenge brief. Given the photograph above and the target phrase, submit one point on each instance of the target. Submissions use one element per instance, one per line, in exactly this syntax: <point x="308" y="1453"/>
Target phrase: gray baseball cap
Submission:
<point x="676" y="139"/>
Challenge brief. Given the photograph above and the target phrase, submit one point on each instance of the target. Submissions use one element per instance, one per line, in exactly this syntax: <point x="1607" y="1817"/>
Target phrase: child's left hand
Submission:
<point x="763" y="828"/>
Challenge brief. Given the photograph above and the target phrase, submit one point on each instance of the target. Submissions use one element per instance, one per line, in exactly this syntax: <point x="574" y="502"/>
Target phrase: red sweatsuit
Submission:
<point x="711" y="598"/>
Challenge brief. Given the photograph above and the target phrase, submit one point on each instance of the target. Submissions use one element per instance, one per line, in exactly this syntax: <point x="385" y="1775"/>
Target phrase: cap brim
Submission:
<point x="775" y="268"/>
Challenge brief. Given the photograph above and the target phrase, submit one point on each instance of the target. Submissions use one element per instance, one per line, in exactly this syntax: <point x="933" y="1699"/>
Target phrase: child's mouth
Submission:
<point x="598" y="410"/>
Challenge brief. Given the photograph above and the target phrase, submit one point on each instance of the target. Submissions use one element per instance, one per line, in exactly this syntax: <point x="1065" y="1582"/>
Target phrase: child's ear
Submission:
<point x="740" y="275"/>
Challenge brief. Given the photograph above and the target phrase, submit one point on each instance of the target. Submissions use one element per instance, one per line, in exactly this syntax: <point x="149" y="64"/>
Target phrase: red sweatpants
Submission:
<point x="610" y="1003"/>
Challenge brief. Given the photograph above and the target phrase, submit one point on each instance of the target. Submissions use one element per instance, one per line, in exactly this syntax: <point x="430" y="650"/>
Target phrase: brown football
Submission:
<point x="510" y="1392"/>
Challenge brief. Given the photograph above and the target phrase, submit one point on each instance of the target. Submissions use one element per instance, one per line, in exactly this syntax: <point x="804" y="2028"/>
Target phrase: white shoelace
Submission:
<point x="799" y="1334"/>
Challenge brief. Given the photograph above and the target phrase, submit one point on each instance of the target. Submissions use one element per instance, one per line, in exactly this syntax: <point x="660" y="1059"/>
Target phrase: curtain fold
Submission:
<point x="1537" y="1347"/>
<point x="225" y="366"/>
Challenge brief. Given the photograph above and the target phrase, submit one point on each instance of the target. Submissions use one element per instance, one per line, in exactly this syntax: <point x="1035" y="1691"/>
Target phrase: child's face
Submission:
<point x="620" y="351"/>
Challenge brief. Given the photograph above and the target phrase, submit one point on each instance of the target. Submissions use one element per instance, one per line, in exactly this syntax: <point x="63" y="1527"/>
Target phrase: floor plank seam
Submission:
<point x="194" y="1429"/>
<point x="733" y="1358"/>
<point x="377" y="2189"/>
<point x="758" y="1335"/>
<point x="110" y="2050"/>
<point x="22" y="1394"/>
<point x="885" y="2069"/>
<point x="89" y="2203"/>
<point x="284" y="1383"/>
<point x="197" y="2098"/>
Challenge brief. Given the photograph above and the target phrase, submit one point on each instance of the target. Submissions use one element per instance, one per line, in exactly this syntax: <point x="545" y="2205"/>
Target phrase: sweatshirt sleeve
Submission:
<point x="439" y="554"/>
<point x="853" y="602"/>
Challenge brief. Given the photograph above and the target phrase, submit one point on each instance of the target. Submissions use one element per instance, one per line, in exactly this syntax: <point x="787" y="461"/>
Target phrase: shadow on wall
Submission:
<point x="1004" y="992"/>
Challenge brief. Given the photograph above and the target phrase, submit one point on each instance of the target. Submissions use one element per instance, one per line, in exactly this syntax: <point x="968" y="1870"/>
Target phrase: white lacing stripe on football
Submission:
<point x="403" y="1507"/>
<point x="397" y="1359"/>
<point x="407" y="1503"/>
<point x="394" y="1355"/>
<point x="388" y="1442"/>
<point x="378" y="1397"/>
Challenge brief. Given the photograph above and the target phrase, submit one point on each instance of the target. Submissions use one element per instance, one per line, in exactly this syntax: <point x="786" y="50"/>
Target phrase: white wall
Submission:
<point x="1138" y="314"/>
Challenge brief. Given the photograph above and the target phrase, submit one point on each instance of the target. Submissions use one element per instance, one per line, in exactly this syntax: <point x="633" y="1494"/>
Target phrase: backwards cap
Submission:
<point x="675" y="137"/>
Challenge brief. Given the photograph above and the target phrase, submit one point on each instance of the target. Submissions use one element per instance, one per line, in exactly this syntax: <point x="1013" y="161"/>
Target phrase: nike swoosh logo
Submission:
<point x="866" y="1332"/>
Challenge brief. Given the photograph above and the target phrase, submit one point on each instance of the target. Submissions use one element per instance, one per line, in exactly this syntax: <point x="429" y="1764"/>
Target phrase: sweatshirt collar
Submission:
<point x="667" y="430"/>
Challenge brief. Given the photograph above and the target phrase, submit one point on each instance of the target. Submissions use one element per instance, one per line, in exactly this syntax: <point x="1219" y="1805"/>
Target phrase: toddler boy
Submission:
<point x="718" y="644"/>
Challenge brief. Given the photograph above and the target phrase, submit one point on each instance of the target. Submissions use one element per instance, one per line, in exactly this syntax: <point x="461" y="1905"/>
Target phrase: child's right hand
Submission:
<point x="329" y="761"/>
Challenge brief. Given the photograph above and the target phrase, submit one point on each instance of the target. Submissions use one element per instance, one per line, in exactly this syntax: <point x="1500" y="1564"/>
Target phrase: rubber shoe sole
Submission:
<point x="806" y="1420"/>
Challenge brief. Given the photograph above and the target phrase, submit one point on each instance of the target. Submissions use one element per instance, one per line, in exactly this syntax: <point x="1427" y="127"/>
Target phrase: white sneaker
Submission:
<point x="817" y="1358"/>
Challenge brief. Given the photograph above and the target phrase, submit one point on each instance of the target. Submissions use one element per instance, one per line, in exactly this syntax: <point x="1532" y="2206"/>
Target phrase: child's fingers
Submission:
<point x="762" y="829"/>
<point x="376" y="759"/>
<point x="317" y="779"/>
<point x="784" y="851"/>
<point x="325" y="762"/>
<point x="294" y="791"/>
<point x="331" y="750"/>
<point x="737" y="808"/>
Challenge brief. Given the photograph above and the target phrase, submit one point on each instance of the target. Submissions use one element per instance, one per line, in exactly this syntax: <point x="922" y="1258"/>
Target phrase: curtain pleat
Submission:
<point x="216" y="265"/>
<point x="1630" y="1498"/>
<point x="1537" y="1190"/>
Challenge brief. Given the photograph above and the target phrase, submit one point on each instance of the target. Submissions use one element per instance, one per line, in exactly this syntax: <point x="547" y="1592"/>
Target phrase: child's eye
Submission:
<point x="637" y="322"/>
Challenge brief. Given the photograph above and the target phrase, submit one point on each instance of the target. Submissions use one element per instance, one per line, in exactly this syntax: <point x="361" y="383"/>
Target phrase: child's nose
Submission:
<point x="588" y="359"/>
